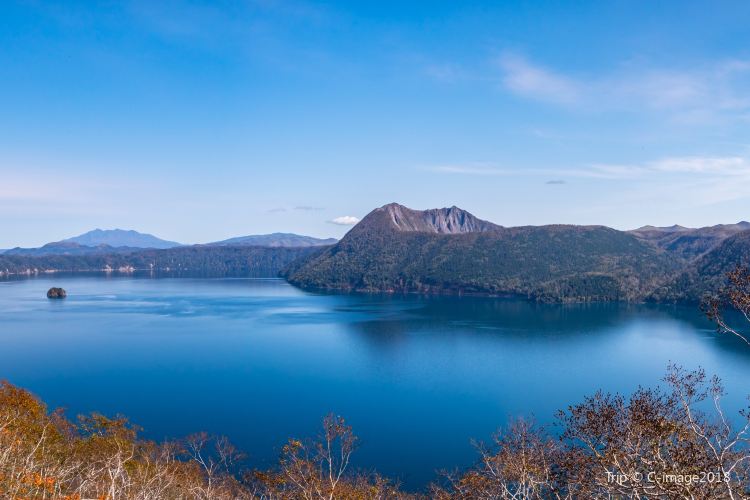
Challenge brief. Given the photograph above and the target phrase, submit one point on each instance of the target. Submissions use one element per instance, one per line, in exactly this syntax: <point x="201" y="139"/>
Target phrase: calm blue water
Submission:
<point x="259" y="361"/>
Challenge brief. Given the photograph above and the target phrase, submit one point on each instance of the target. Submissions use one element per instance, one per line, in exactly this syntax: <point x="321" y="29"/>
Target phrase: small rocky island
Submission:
<point x="56" y="293"/>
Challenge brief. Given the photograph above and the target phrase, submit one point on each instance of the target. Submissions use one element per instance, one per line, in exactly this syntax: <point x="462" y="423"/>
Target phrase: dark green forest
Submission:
<point x="219" y="261"/>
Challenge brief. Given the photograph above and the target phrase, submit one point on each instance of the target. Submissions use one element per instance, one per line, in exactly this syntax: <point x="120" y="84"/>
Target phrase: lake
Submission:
<point x="259" y="361"/>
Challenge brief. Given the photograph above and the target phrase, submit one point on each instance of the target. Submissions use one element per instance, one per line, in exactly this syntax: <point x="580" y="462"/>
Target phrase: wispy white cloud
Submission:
<point x="47" y="186"/>
<point x="679" y="181"/>
<point x="732" y="166"/>
<point x="26" y="190"/>
<point x="308" y="208"/>
<point x="531" y="80"/>
<point x="737" y="166"/>
<point x="298" y="208"/>
<point x="696" y="180"/>
<point x="471" y="169"/>
<point x="696" y="95"/>
<point x="247" y="25"/>
<point x="344" y="220"/>
<point x="444" y="72"/>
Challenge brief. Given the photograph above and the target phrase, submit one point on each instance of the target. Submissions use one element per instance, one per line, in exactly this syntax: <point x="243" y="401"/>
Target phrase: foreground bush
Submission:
<point x="654" y="444"/>
<point x="44" y="455"/>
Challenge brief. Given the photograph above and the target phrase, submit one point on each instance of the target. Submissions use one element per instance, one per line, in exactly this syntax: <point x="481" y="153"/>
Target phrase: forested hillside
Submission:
<point x="688" y="244"/>
<point x="708" y="273"/>
<point x="195" y="260"/>
<point x="549" y="263"/>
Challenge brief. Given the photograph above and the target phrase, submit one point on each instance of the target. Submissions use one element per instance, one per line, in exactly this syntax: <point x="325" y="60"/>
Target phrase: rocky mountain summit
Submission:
<point x="120" y="238"/>
<point x="451" y="220"/>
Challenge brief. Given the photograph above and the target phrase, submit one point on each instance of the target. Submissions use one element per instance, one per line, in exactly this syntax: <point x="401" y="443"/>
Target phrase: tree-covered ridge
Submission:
<point x="551" y="263"/>
<point x="707" y="274"/>
<point x="200" y="260"/>
<point x="688" y="244"/>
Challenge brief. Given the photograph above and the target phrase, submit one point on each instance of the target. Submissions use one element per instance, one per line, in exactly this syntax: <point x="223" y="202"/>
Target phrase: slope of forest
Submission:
<point x="686" y="243"/>
<point x="548" y="263"/>
<point x="708" y="273"/>
<point x="194" y="260"/>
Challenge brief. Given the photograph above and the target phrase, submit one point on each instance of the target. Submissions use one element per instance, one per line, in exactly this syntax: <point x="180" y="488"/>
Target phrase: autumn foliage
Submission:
<point x="674" y="443"/>
<point x="44" y="455"/>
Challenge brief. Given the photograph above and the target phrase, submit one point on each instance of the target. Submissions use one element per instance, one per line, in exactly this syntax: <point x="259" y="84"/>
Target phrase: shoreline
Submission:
<point x="433" y="292"/>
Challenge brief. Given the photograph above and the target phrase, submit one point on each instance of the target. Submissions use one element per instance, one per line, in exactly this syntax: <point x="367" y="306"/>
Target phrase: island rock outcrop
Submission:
<point x="56" y="293"/>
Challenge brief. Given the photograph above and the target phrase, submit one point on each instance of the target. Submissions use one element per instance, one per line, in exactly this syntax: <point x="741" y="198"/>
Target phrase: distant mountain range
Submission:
<point x="276" y="240"/>
<point x="98" y="241"/>
<point x="447" y="250"/>
<point x="120" y="238"/>
<point x="105" y="241"/>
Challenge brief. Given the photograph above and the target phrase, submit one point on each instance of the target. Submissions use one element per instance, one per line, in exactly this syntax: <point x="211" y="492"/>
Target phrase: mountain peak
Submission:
<point x="675" y="228"/>
<point x="451" y="220"/>
<point x="120" y="238"/>
<point x="289" y="240"/>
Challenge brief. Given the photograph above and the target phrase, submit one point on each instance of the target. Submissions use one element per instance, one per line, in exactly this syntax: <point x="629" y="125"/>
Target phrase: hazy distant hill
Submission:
<point x="121" y="238"/>
<point x="98" y="241"/>
<point x="449" y="250"/>
<point x="276" y="240"/>
<point x="688" y="243"/>
<point x="101" y="241"/>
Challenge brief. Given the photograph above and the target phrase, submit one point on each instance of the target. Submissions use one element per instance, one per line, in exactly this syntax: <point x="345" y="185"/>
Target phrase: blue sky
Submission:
<point x="198" y="121"/>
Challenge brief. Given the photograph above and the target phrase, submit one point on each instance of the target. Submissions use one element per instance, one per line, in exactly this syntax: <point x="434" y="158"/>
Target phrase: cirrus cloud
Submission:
<point x="705" y="93"/>
<point x="531" y="80"/>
